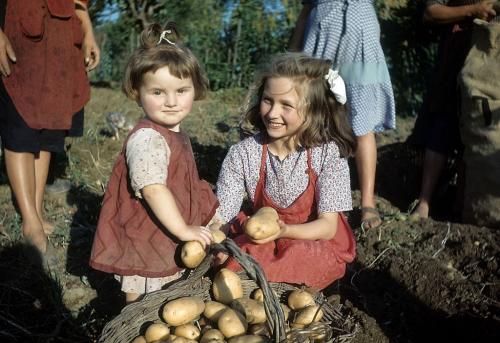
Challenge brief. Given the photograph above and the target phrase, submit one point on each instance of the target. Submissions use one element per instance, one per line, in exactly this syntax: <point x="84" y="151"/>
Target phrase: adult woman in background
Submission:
<point x="437" y="126"/>
<point x="347" y="32"/>
<point x="46" y="48"/>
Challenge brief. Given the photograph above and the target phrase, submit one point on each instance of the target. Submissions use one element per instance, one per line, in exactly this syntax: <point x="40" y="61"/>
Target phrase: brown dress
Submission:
<point x="129" y="240"/>
<point x="313" y="263"/>
<point x="48" y="83"/>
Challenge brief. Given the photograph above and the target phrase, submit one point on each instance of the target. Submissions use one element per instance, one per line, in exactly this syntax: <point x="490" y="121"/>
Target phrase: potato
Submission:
<point x="192" y="254"/>
<point x="180" y="340"/>
<point x="213" y="310"/>
<point x="305" y="316"/>
<point x="250" y="339"/>
<point x="297" y="300"/>
<point x="205" y="322"/>
<point x="219" y="236"/>
<point x="140" y="339"/>
<point x="188" y="331"/>
<point x="227" y="286"/>
<point x="157" y="332"/>
<point x="259" y="329"/>
<point x="325" y="334"/>
<point x="253" y="310"/>
<point x="286" y="311"/>
<point x="183" y="310"/>
<point x="232" y="323"/>
<point x="259" y="295"/>
<point x="263" y="223"/>
<point x="212" y="335"/>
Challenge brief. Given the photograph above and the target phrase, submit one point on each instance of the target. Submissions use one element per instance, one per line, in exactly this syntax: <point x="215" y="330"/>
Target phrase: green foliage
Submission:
<point x="410" y="48"/>
<point x="231" y="37"/>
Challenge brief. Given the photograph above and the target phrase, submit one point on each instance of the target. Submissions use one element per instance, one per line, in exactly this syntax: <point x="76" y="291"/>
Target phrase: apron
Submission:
<point x="129" y="239"/>
<point x="312" y="263"/>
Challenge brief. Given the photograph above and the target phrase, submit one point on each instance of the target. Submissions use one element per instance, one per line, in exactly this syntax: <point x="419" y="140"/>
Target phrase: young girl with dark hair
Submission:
<point x="155" y="199"/>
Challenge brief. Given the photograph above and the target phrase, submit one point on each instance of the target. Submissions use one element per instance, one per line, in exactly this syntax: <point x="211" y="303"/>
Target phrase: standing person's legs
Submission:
<point x="366" y="164"/>
<point x="27" y="159"/>
<point x="434" y="163"/>
<point x="27" y="174"/>
<point x="42" y="163"/>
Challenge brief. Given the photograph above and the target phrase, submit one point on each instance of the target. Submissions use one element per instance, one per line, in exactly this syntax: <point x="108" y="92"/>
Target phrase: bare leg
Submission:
<point x="132" y="298"/>
<point x="42" y="164"/>
<point x="433" y="166"/>
<point x="366" y="164"/>
<point x="22" y="178"/>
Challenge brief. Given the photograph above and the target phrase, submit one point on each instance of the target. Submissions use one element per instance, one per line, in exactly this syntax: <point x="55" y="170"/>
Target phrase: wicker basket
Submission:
<point x="136" y="318"/>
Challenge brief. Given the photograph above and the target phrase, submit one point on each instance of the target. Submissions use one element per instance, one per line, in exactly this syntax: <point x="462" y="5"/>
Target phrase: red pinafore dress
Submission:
<point x="312" y="263"/>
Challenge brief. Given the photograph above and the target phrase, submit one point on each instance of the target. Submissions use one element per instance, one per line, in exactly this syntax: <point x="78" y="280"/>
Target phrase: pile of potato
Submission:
<point x="230" y="317"/>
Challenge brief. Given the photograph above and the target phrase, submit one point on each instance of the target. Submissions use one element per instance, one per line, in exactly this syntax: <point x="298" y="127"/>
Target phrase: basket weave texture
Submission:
<point x="137" y="317"/>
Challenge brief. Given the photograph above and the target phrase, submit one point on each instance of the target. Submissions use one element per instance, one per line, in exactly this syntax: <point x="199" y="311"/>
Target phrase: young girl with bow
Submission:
<point x="296" y="164"/>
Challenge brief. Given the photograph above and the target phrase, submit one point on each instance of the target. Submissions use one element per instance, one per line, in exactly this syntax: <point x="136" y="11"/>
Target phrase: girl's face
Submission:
<point x="166" y="99"/>
<point x="278" y="109"/>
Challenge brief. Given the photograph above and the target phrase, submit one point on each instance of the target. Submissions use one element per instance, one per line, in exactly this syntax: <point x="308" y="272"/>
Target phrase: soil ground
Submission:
<point x="433" y="280"/>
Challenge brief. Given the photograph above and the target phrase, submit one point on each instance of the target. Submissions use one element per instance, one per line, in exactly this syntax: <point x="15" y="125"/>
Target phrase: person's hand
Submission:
<point x="6" y="53"/>
<point x="197" y="233"/>
<point x="91" y="52"/>
<point x="274" y="237"/>
<point x="483" y="10"/>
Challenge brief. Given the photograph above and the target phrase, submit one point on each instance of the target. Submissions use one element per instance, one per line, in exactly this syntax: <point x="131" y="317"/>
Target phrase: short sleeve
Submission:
<point x="333" y="188"/>
<point x="147" y="157"/>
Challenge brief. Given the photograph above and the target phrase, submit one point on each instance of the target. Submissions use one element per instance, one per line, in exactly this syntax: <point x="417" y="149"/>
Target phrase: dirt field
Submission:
<point x="432" y="280"/>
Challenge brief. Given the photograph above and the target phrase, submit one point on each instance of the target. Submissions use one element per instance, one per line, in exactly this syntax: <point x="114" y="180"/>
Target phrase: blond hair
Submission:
<point x="324" y="118"/>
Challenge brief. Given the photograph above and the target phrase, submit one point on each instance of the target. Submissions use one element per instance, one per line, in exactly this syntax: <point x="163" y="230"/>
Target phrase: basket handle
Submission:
<point x="274" y="312"/>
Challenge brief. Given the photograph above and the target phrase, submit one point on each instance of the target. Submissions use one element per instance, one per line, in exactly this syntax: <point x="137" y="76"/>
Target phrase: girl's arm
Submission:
<point x="148" y="157"/>
<point x="91" y="50"/>
<point x="325" y="227"/>
<point x="162" y="203"/>
<point x="441" y="14"/>
<point x="300" y="28"/>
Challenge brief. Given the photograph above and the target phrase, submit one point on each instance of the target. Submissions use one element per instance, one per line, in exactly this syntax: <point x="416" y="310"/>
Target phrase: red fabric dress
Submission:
<point x="313" y="263"/>
<point x="48" y="83"/>
<point x="129" y="240"/>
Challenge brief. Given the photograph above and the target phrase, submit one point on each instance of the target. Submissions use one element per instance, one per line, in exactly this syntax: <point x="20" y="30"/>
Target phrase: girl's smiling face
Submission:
<point x="279" y="110"/>
<point x="166" y="99"/>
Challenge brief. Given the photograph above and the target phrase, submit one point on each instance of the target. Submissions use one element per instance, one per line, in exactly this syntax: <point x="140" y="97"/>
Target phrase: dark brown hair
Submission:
<point x="324" y="118"/>
<point x="156" y="52"/>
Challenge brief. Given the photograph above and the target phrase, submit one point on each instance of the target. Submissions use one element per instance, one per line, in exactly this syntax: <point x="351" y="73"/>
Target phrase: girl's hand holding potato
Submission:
<point x="279" y="234"/>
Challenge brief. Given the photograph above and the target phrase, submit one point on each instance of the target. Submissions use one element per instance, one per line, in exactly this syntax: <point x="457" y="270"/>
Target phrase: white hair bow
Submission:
<point x="164" y="37"/>
<point x="337" y="86"/>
